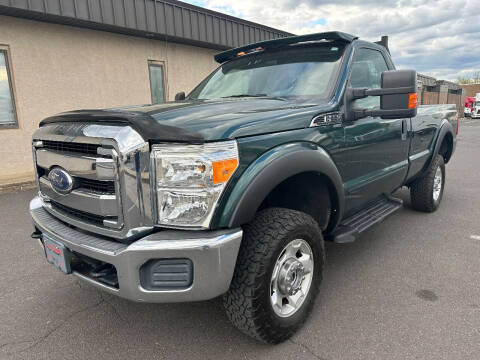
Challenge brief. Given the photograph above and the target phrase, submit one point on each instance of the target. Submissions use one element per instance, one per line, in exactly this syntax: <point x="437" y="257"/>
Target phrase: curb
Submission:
<point x="17" y="186"/>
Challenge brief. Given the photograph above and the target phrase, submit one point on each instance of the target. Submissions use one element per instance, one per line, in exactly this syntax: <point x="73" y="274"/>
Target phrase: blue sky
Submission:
<point x="440" y="38"/>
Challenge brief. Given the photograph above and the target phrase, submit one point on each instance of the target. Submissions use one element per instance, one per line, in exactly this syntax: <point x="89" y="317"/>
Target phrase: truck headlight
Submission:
<point x="189" y="180"/>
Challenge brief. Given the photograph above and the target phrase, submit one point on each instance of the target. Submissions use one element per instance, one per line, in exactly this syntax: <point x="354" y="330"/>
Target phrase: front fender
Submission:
<point x="272" y="168"/>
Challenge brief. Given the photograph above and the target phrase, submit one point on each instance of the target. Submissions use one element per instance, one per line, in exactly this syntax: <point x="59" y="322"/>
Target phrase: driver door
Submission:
<point x="376" y="150"/>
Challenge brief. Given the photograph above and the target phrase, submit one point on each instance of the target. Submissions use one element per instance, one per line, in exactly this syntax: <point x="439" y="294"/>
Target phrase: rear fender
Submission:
<point x="445" y="128"/>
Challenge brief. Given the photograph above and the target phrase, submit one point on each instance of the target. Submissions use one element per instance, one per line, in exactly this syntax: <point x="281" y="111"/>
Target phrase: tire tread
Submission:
<point x="240" y="302"/>
<point x="422" y="188"/>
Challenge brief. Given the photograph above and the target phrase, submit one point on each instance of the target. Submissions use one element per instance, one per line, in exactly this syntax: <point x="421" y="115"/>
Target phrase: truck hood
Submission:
<point x="205" y="120"/>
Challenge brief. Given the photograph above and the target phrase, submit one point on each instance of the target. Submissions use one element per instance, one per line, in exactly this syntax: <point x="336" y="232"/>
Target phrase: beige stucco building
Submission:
<point x="50" y="67"/>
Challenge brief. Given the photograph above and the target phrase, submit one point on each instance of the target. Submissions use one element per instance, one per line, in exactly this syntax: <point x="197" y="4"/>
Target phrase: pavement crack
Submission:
<point x="307" y="349"/>
<point x="61" y="324"/>
<point x="14" y="343"/>
<point x="114" y="309"/>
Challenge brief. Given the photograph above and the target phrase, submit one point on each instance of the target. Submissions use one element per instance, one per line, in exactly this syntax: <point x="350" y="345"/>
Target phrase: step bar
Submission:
<point x="351" y="228"/>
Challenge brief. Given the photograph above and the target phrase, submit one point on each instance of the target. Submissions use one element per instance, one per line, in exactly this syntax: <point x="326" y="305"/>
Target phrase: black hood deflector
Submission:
<point x="150" y="129"/>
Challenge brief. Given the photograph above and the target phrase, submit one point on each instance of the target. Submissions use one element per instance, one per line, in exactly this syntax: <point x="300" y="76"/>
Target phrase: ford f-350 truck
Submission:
<point x="233" y="189"/>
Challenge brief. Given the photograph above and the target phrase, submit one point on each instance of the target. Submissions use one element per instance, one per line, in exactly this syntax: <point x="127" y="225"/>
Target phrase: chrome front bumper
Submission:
<point x="213" y="254"/>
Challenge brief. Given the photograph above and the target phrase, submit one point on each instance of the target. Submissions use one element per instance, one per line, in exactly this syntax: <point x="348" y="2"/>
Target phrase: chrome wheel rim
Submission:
<point x="437" y="184"/>
<point x="291" y="278"/>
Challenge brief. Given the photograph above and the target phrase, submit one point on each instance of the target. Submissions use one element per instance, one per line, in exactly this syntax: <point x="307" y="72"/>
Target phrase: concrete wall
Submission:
<point x="57" y="68"/>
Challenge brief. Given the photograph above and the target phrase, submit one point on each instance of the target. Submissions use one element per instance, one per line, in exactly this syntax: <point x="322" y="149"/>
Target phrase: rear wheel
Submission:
<point x="277" y="275"/>
<point x="426" y="192"/>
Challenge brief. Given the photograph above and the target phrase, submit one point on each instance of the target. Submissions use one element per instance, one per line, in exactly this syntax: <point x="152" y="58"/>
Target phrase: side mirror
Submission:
<point x="180" y="96"/>
<point x="398" y="97"/>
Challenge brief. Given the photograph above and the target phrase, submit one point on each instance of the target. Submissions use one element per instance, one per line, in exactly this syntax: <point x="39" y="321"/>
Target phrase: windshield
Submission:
<point x="295" y="71"/>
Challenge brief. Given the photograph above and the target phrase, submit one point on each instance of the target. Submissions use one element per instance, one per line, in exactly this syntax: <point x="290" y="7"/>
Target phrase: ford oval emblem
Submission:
<point x="60" y="180"/>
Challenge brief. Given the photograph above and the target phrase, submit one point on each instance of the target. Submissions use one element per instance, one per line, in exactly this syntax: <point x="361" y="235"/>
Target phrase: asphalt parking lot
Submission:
<point x="408" y="289"/>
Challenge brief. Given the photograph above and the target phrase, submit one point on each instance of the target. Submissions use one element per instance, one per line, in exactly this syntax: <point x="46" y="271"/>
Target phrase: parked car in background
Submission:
<point x="233" y="189"/>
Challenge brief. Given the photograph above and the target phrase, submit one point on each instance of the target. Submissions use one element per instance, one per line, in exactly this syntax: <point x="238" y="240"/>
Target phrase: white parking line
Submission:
<point x="475" y="237"/>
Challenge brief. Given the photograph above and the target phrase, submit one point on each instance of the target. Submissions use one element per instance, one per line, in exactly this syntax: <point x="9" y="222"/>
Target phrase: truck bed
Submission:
<point x="425" y="128"/>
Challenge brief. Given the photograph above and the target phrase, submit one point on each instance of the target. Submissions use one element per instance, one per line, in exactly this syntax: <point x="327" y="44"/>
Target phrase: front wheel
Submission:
<point x="426" y="192"/>
<point x="277" y="275"/>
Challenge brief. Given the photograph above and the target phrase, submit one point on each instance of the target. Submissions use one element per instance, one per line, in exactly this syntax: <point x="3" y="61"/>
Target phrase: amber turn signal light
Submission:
<point x="222" y="170"/>
<point x="412" y="100"/>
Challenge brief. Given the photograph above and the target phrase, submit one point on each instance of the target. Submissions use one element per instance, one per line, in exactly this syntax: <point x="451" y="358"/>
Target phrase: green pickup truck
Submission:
<point x="233" y="189"/>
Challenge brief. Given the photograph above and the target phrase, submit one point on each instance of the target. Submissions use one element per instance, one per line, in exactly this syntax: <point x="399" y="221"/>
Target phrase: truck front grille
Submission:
<point x="95" y="197"/>
<point x="101" y="177"/>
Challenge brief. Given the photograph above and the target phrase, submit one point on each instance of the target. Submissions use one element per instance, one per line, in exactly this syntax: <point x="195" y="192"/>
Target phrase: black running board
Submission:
<point x="351" y="227"/>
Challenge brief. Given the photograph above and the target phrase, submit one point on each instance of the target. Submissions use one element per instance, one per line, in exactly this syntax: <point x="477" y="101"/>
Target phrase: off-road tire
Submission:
<point x="421" y="190"/>
<point x="247" y="303"/>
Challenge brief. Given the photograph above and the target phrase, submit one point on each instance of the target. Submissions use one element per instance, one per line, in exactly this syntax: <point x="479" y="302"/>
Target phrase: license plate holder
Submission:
<point x="57" y="254"/>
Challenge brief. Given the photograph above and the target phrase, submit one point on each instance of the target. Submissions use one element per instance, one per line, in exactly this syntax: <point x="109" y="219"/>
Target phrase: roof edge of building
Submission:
<point x="169" y="20"/>
<point x="230" y="17"/>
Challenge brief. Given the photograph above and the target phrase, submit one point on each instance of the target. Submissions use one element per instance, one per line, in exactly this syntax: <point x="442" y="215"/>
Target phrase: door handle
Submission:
<point x="404" y="129"/>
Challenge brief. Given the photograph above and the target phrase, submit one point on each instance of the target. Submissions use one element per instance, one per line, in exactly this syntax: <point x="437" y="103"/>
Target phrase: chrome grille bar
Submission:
<point x="89" y="202"/>
<point x="96" y="168"/>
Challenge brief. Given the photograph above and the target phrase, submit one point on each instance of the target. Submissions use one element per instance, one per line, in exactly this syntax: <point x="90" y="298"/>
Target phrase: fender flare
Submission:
<point x="272" y="168"/>
<point x="446" y="128"/>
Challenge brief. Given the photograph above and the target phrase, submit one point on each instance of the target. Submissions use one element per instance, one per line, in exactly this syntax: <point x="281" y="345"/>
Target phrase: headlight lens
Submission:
<point x="189" y="180"/>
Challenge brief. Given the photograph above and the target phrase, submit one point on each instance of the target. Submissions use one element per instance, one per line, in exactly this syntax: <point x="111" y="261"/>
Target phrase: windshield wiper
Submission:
<point x="244" y="95"/>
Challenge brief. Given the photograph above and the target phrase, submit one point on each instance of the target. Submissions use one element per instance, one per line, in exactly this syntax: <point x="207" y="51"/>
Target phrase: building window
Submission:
<point x="8" y="117"/>
<point x="157" y="82"/>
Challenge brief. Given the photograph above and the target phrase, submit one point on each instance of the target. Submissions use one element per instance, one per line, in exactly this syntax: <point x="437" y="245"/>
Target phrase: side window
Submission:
<point x="367" y="68"/>
<point x="8" y="116"/>
<point x="157" y="86"/>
